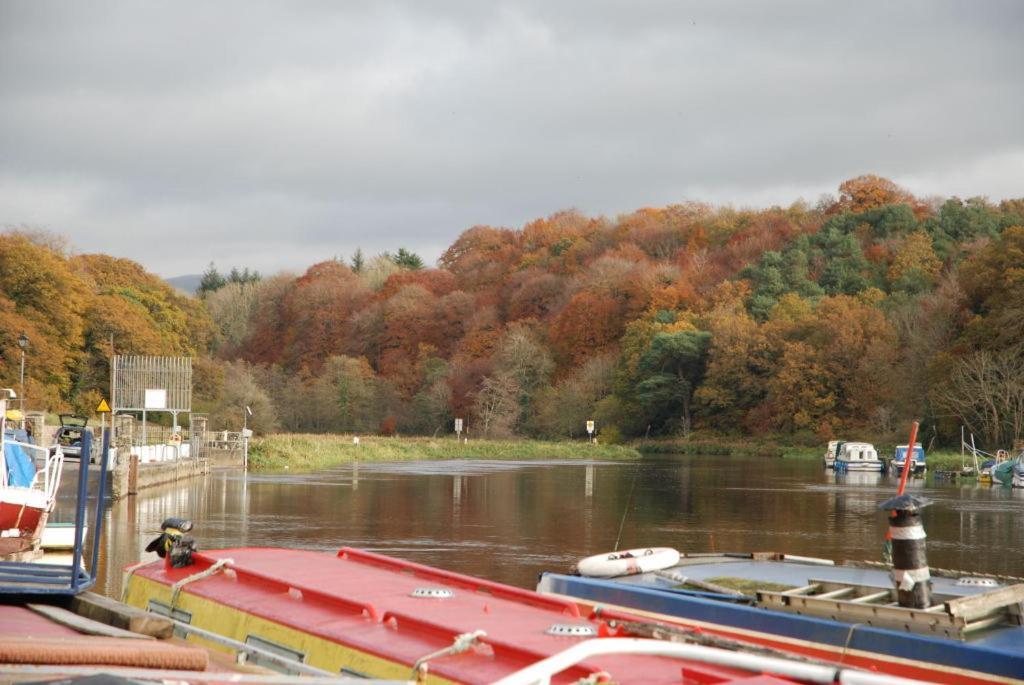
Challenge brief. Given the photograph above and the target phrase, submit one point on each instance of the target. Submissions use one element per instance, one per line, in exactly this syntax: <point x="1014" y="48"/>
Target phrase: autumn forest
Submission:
<point x="859" y="313"/>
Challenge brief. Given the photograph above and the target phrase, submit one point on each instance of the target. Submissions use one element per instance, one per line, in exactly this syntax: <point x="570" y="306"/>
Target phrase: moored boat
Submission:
<point x="830" y="453"/>
<point x="27" y="493"/>
<point x="826" y="610"/>
<point x="59" y="536"/>
<point x="918" y="465"/>
<point x="858" y="456"/>
<point x="365" y="614"/>
<point x="1010" y="472"/>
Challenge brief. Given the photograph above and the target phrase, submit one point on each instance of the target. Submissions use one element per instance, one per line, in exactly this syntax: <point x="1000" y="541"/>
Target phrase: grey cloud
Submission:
<point x="281" y="133"/>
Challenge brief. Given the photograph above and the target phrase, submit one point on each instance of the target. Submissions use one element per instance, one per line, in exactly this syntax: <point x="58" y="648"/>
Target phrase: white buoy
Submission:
<point x="628" y="562"/>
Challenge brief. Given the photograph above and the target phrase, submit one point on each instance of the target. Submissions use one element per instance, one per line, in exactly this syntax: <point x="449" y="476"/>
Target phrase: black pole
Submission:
<point x="909" y="558"/>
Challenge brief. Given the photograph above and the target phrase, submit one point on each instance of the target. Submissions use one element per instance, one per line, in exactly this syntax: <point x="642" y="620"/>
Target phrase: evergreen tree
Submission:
<point x="407" y="260"/>
<point x="358" y="261"/>
<point x="211" y="281"/>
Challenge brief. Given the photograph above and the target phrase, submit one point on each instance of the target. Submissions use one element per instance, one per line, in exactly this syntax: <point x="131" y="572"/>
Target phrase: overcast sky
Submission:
<point x="274" y="135"/>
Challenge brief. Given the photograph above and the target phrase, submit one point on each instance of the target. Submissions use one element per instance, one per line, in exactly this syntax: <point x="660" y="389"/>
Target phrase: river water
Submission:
<point x="508" y="521"/>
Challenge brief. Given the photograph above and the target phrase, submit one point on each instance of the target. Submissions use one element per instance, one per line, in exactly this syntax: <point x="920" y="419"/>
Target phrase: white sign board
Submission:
<point x="590" y="427"/>
<point x="458" y="425"/>
<point x="156" y="398"/>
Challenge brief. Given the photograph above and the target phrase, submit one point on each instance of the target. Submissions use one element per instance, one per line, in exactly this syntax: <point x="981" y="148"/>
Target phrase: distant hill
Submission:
<point x="188" y="283"/>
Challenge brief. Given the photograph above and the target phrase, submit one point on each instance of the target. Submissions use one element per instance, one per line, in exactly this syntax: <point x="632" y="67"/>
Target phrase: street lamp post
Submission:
<point x="23" y="344"/>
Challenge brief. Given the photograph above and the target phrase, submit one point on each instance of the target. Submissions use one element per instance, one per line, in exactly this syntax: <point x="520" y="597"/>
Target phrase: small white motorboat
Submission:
<point x="858" y="456"/>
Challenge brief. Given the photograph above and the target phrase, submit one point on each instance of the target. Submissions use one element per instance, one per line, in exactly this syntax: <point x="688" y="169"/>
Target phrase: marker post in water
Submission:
<point x="246" y="433"/>
<point x="910" y="571"/>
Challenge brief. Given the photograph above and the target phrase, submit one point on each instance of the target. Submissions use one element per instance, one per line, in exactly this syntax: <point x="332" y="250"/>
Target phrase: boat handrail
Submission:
<point x="541" y="673"/>
<point x="53" y="465"/>
<point x="294" y="667"/>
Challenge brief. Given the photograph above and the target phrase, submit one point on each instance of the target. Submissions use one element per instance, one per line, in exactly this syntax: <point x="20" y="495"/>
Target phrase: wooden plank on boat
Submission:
<point x="881" y="616"/>
<point x="806" y="589"/>
<point x="815" y="561"/>
<point x="697" y="583"/>
<point x="836" y="594"/>
<point x="979" y="606"/>
<point x="873" y="597"/>
<point x="82" y="624"/>
<point x="114" y="613"/>
<point x="984" y="623"/>
<point x="832" y="600"/>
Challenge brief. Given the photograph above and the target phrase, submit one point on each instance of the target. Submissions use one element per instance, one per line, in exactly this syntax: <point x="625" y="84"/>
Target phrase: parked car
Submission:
<point x="69" y="436"/>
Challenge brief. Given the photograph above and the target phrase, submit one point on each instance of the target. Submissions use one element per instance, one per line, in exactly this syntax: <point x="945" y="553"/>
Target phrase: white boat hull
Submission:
<point x="915" y="467"/>
<point x="60" y="536"/>
<point x="873" y="466"/>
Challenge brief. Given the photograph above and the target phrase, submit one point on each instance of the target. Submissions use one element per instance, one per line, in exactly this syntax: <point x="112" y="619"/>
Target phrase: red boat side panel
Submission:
<point x="18" y="516"/>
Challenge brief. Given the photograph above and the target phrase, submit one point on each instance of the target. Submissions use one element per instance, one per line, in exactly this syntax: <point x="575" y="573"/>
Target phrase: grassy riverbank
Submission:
<point x="310" y="451"/>
<point x="724" y="447"/>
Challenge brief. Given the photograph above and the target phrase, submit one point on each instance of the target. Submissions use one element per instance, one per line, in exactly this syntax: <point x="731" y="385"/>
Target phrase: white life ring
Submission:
<point x="628" y="562"/>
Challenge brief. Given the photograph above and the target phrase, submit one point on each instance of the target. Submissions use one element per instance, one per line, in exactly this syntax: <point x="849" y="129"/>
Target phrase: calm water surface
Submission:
<point x="508" y="521"/>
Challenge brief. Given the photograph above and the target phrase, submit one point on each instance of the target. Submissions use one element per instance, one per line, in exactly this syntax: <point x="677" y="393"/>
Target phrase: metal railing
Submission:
<point x="543" y="671"/>
<point x="52" y="459"/>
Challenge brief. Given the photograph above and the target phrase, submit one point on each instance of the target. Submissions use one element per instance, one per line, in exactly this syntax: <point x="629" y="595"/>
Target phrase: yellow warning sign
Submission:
<point x="103" y="407"/>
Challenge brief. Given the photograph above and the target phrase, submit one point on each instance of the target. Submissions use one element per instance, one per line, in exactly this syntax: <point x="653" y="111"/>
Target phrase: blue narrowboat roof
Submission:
<point x="997" y="651"/>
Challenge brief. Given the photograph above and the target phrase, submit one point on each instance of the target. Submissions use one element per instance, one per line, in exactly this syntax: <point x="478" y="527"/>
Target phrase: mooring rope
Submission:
<point x="128" y="573"/>
<point x="625" y="511"/>
<point x="177" y="587"/>
<point x="849" y="639"/>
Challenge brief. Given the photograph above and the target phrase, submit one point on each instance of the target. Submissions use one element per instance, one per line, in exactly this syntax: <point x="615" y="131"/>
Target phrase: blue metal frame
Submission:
<point x="27" y="578"/>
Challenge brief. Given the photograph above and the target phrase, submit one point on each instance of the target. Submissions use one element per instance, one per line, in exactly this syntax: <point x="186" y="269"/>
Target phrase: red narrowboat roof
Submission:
<point x="366" y="602"/>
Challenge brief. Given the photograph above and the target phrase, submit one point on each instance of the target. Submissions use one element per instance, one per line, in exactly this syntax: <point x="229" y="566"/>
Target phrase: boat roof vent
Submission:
<point x="572" y="630"/>
<point x="977" y="582"/>
<point x="432" y="592"/>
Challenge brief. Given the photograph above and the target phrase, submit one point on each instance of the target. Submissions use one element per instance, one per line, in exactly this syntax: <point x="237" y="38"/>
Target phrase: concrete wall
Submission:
<point x="160" y="453"/>
<point x="127" y="479"/>
<point x="224" y="458"/>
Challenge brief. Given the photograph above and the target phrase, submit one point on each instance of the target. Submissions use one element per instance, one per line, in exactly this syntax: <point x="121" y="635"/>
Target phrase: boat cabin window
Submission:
<point x="275" y="648"/>
<point x="165" y="610"/>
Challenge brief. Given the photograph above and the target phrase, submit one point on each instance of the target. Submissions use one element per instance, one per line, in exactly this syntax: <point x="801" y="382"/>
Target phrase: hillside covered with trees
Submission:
<point x="852" y="315"/>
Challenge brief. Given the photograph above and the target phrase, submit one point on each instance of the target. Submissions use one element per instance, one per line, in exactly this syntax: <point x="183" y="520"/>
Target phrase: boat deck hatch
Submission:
<point x="432" y="593"/>
<point x="572" y="630"/>
<point x="977" y="582"/>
